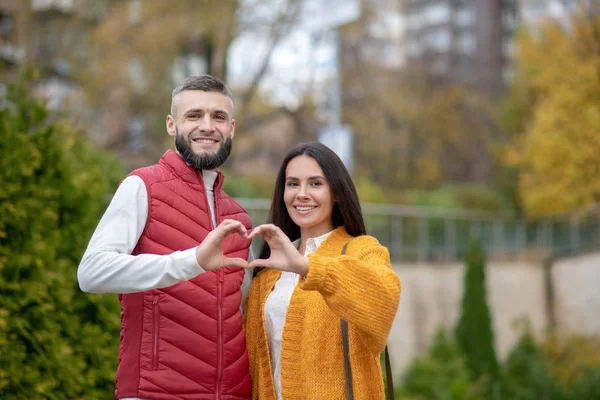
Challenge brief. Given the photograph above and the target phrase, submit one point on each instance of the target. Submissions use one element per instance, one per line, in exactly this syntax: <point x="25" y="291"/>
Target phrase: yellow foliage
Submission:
<point x="559" y="154"/>
<point x="412" y="136"/>
<point x="569" y="356"/>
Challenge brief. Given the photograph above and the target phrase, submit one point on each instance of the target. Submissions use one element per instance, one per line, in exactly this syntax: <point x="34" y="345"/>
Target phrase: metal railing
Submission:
<point x="425" y="234"/>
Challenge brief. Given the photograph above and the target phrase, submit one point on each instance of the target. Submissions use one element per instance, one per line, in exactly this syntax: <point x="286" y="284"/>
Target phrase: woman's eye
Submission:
<point x="316" y="184"/>
<point x="292" y="184"/>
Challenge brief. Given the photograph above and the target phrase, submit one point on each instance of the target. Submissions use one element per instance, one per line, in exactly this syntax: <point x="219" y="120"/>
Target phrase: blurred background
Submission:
<point x="471" y="129"/>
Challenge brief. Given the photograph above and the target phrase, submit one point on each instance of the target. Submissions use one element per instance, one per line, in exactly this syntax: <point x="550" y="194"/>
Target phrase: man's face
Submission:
<point x="203" y="126"/>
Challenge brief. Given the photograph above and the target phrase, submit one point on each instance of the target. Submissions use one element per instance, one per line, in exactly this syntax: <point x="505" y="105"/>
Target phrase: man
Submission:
<point x="171" y="244"/>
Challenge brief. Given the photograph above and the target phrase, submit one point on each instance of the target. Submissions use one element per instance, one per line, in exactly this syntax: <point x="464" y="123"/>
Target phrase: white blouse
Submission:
<point x="276" y="308"/>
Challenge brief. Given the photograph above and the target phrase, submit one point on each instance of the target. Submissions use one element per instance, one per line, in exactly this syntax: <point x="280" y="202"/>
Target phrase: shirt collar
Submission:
<point x="312" y="244"/>
<point x="209" y="178"/>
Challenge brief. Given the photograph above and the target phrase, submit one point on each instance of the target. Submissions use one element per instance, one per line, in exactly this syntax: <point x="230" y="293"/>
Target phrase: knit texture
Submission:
<point x="359" y="287"/>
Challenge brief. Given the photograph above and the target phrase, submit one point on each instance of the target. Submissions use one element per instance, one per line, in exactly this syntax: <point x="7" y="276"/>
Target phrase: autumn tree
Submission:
<point x="412" y="134"/>
<point x="555" y="114"/>
<point x="412" y="130"/>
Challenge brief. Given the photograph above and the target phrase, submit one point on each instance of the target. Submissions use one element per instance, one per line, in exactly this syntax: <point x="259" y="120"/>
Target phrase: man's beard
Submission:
<point x="202" y="161"/>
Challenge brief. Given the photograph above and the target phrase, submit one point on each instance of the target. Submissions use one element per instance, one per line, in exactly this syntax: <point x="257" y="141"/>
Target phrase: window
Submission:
<point x="437" y="13"/>
<point x="136" y="132"/>
<point x="137" y="75"/>
<point x="44" y="5"/>
<point x="466" y="43"/>
<point x="413" y="49"/>
<point x="464" y="16"/>
<point x="135" y="12"/>
<point x="189" y="64"/>
<point x="439" y="67"/>
<point x="508" y="47"/>
<point x="508" y="74"/>
<point x="7" y="28"/>
<point x="536" y="8"/>
<point x="439" y="39"/>
<point x="413" y="22"/>
<point x="509" y="20"/>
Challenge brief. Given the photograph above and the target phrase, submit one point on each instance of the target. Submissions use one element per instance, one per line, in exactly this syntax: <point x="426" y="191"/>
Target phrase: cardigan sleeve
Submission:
<point x="359" y="287"/>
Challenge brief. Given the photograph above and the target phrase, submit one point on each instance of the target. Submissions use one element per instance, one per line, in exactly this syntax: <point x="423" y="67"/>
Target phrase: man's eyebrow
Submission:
<point x="199" y="110"/>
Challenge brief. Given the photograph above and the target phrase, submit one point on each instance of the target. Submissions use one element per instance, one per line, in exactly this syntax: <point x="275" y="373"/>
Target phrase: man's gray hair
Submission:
<point x="206" y="83"/>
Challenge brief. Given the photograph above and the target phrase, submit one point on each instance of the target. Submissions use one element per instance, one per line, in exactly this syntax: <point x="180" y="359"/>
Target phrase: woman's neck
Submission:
<point x="302" y="246"/>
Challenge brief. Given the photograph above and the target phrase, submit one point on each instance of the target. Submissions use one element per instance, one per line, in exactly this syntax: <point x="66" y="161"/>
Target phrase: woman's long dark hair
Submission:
<point x="346" y="211"/>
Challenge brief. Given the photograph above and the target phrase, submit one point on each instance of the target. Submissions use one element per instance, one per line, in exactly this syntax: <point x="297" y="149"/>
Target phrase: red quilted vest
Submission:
<point x="185" y="341"/>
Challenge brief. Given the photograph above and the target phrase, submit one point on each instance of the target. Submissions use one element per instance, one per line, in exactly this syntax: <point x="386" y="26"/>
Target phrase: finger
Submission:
<point x="228" y="227"/>
<point x="263" y="230"/>
<point x="257" y="231"/>
<point x="235" y="262"/>
<point x="260" y="263"/>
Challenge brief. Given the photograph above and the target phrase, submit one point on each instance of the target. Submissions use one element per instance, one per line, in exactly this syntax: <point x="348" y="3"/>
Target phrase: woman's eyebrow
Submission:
<point x="310" y="177"/>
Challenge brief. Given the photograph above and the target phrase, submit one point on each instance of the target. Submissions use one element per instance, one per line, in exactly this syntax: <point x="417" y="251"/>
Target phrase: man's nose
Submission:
<point x="206" y="124"/>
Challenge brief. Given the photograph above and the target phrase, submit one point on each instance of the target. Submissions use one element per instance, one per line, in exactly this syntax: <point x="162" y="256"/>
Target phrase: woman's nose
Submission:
<point x="301" y="192"/>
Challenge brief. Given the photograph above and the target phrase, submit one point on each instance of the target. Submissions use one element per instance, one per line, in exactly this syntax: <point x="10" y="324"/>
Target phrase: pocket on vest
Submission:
<point x="155" y="330"/>
<point x="150" y="349"/>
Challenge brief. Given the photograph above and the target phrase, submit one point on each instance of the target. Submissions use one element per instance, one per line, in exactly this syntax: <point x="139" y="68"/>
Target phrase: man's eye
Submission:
<point x="221" y="118"/>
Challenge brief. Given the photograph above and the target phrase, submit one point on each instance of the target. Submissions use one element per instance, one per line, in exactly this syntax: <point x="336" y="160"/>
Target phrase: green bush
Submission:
<point x="530" y="372"/>
<point x="440" y="375"/>
<point x="55" y="341"/>
<point x="560" y="368"/>
<point x="525" y="374"/>
<point x="587" y="386"/>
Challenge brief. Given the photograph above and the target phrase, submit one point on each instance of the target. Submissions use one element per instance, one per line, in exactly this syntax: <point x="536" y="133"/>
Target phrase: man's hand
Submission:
<point x="209" y="253"/>
<point x="284" y="255"/>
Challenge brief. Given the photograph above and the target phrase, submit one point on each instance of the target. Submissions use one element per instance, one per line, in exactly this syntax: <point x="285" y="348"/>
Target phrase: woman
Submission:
<point x="304" y="286"/>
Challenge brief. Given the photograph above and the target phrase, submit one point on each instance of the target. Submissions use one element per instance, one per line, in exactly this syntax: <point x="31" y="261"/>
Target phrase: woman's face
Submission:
<point x="308" y="197"/>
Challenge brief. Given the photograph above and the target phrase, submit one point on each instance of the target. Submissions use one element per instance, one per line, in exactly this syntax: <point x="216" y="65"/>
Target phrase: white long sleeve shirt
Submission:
<point x="107" y="265"/>
<point x="276" y="308"/>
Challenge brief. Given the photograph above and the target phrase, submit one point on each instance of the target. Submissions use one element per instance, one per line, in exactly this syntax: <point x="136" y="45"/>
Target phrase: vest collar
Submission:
<point x="176" y="163"/>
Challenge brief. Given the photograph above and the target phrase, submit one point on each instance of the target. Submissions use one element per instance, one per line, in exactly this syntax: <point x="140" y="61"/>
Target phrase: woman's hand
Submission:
<point x="209" y="254"/>
<point x="284" y="255"/>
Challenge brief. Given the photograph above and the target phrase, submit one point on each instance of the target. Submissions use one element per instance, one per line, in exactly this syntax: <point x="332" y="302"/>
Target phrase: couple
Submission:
<point x="202" y="319"/>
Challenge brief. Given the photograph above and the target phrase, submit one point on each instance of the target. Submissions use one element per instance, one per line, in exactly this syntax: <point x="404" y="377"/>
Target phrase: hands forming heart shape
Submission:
<point x="284" y="255"/>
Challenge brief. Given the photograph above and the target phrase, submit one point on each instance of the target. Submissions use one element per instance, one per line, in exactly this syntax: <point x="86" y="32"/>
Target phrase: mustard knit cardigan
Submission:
<point x="359" y="287"/>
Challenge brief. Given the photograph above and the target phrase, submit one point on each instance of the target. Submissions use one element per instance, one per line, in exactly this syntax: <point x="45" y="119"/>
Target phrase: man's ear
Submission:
<point x="232" y="128"/>
<point x="171" y="125"/>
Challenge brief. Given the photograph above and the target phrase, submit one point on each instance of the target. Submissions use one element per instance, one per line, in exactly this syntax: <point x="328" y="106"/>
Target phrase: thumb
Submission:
<point x="235" y="262"/>
<point x="260" y="263"/>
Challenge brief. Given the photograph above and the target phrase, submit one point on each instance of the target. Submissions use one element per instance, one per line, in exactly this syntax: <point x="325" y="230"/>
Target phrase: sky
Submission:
<point x="306" y="56"/>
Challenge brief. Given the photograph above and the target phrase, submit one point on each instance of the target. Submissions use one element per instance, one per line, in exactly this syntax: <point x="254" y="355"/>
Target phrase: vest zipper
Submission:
<point x="155" y="322"/>
<point x="220" y="329"/>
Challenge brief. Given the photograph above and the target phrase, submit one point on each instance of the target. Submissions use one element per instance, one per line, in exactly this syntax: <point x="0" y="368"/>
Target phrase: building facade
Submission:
<point x="459" y="41"/>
